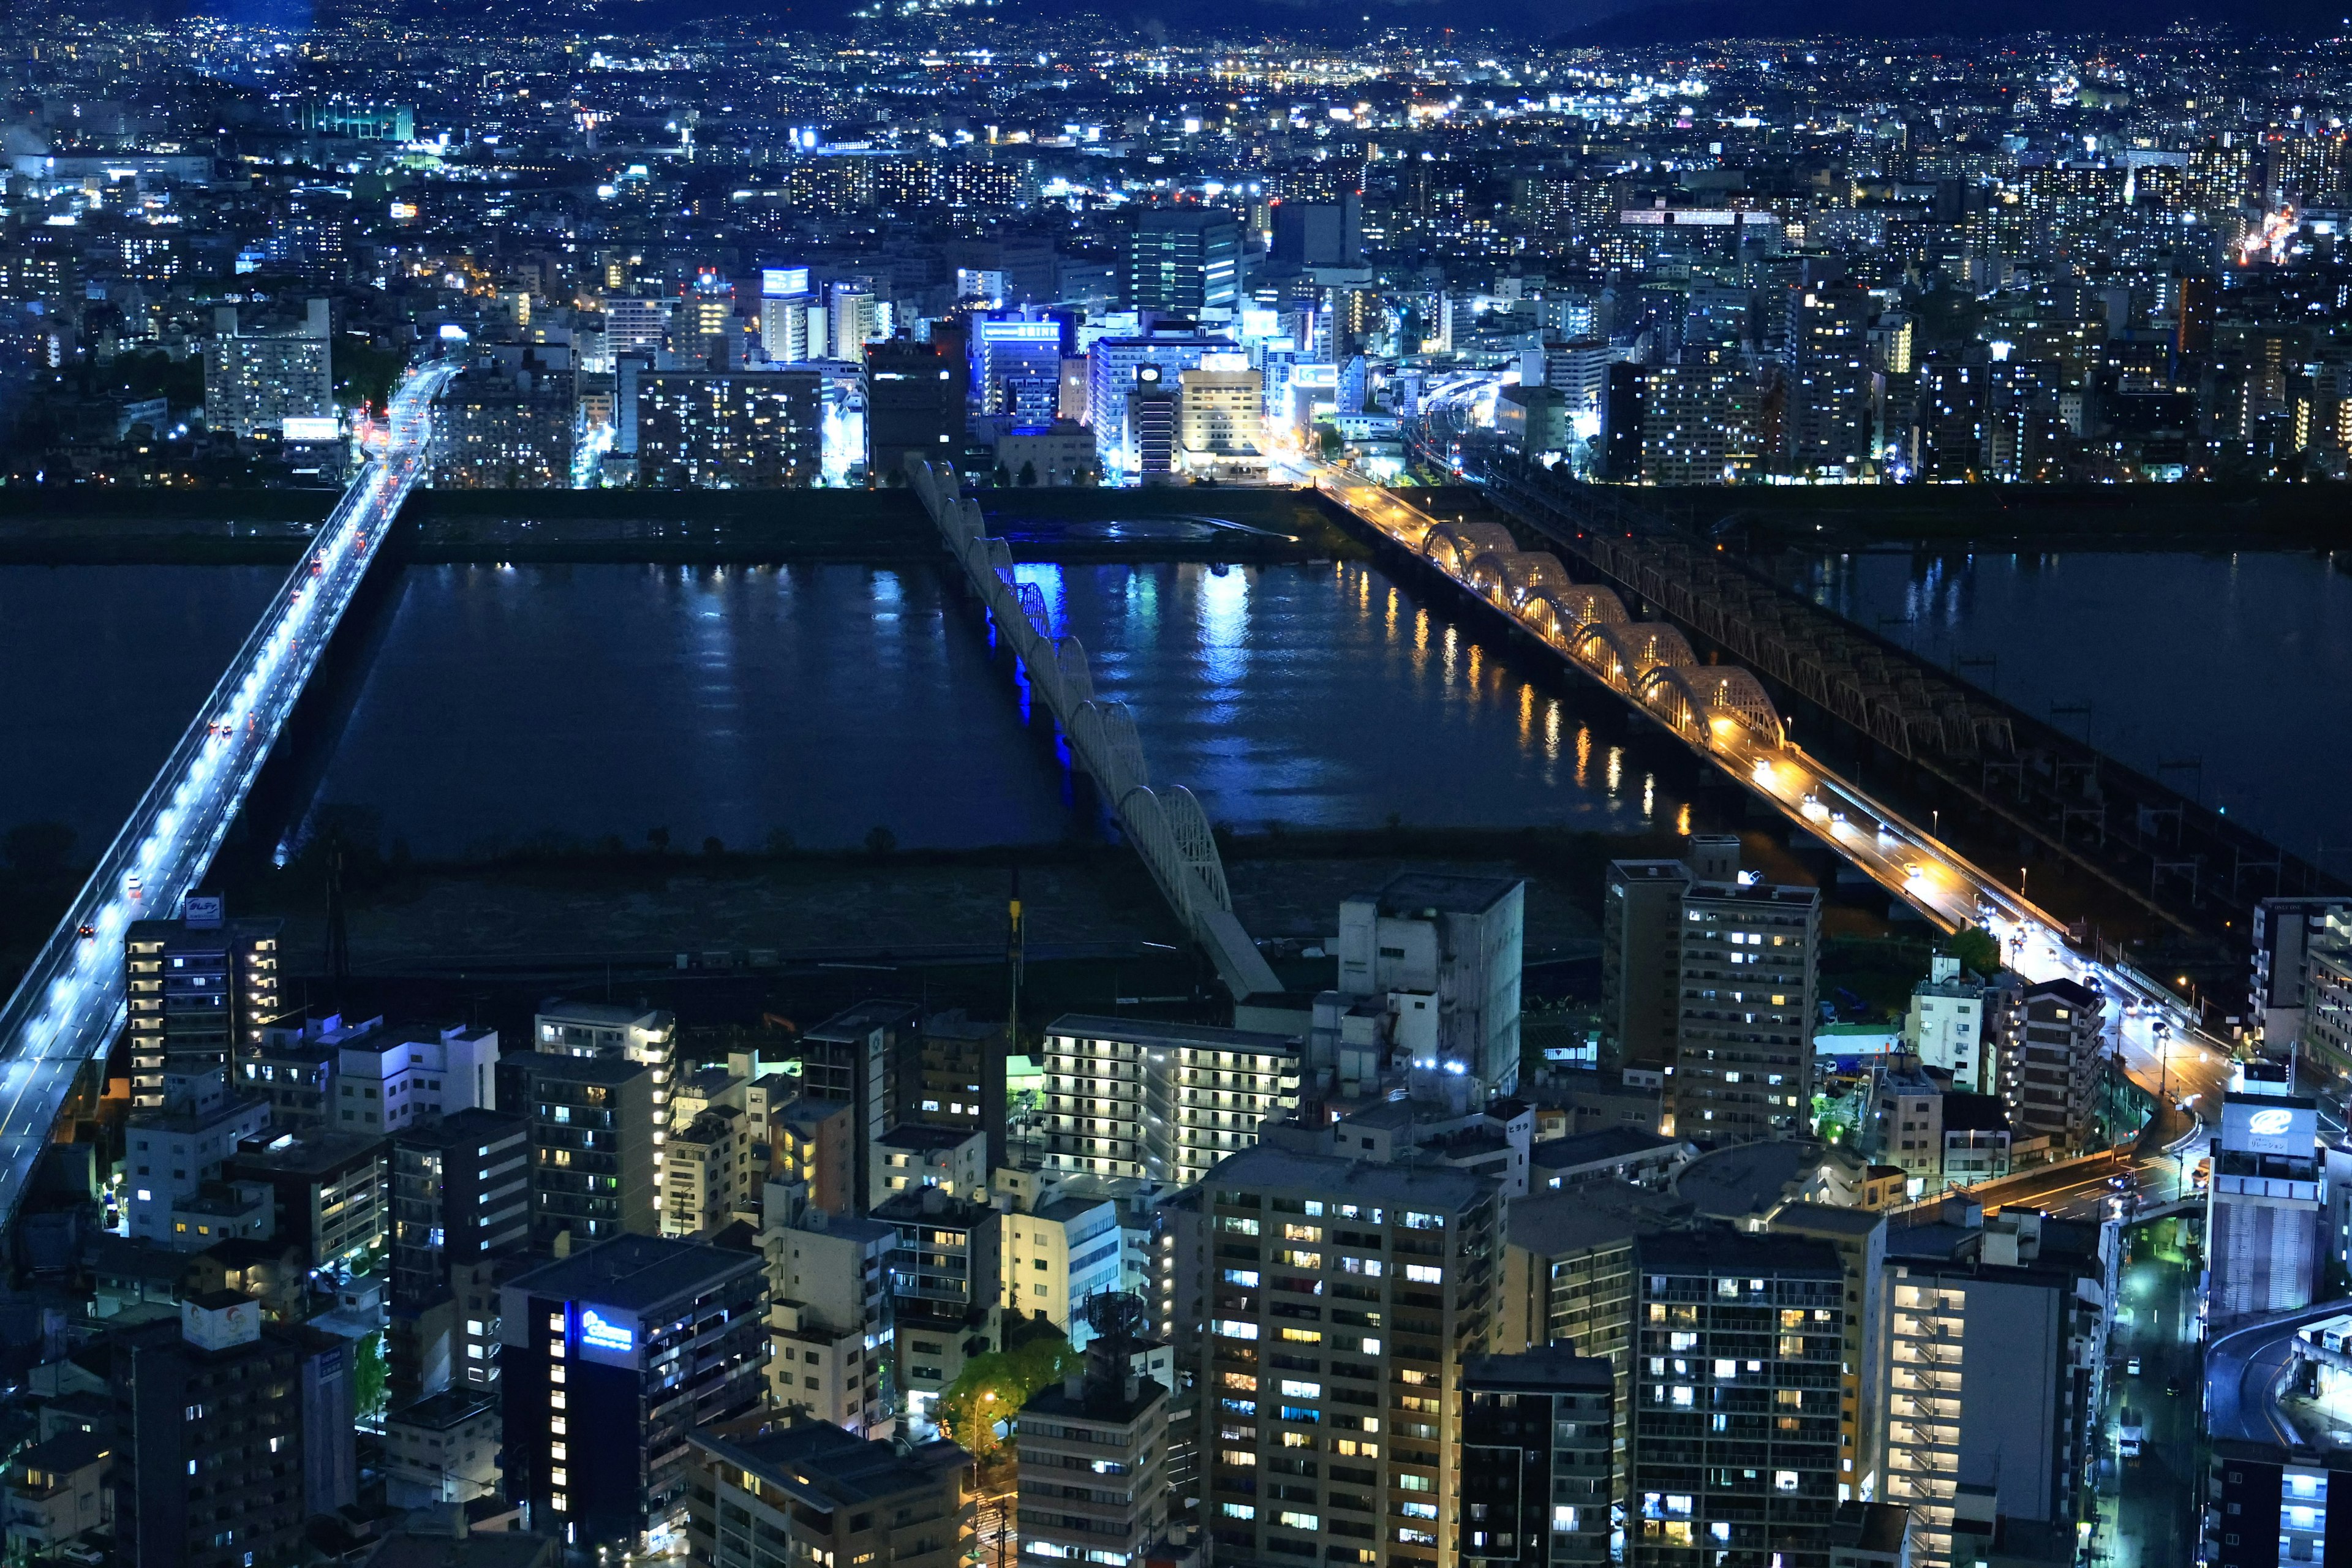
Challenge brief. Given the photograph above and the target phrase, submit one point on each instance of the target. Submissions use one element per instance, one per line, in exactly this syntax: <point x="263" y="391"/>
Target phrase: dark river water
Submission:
<point x="505" y="703"/>
<point x="2229" y="674"/>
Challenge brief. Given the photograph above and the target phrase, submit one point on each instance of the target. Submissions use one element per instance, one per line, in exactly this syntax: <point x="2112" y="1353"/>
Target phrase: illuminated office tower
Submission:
<point x="1184" y="261"/>
<point x="854" y="321"/>
<point x="1016" y="368"/>
<point x="783" y="314"/>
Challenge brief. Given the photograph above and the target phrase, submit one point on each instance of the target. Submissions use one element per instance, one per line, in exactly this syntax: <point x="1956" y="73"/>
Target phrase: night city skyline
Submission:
<point x="920" y="785"/>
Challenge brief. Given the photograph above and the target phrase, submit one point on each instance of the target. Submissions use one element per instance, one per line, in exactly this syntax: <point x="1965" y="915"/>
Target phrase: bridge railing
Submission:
<point x="163" y="881"/>
<point x="1164" y="823"/>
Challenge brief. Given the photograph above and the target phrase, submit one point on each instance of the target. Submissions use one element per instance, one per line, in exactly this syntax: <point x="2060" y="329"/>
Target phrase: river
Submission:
<point x="2231" y="675"/>
<point x="505" y="704"/>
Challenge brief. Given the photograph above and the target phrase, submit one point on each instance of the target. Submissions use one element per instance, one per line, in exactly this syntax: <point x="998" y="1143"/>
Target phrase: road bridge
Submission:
<point x="2187" y="865"/>
<point x="1165" y="823"/>
<point x="1723" y="714"/>
<point x="70" y="1002"/>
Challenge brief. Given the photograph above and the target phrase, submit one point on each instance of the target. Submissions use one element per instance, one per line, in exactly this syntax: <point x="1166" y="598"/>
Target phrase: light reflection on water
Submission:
<point x="827" y="701"/>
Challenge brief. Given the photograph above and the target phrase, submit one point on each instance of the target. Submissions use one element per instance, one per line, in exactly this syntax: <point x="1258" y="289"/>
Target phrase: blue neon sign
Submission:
<point x="600" y="1332"/>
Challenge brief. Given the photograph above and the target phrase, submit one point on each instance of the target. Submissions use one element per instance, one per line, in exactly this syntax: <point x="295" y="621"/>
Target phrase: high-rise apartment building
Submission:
<point x="740" y="429"/>
<point x="609" y="1358"/>
<point x="504" y="422"/>
<point x="1094" y="1452"/>
<point x="1748" y="956"/>
<point x="1994" y="1352"/>
<point x="831" y="1330"/>
<point x="945" y="1284"/>
<point x="1640" y="927"/>
<point x="1567" y="1278"/>
<point x="202" y="990"/>
<point x="1456" y="940"/>
<point x="593" y="1125"/>
<point x="1184" y="261"/>
<point x="1129" y="1097"/>
<point x="1831" y="424"/>
<point x="232" y="1434"/>
<point x="461" y="1199"/>
<point x="1699" y="424"/>
<point x="1343" y="1299"/>
<point x="1739" y="1351"/>
<point x="254" y="383"/>
<point x="859" y="1057"/>
<point x="1536" y="1483"/>
<point x="2050" y="1064"/>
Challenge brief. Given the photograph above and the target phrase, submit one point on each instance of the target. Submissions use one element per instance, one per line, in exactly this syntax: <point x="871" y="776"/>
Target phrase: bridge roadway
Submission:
<point x="70" y="1002"/>
<point x="1722" y="713"/>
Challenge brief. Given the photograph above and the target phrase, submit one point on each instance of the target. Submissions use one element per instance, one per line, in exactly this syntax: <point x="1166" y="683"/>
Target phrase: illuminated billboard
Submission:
<point x="306" y="427"/>
<point x="606" y="1334"/>
<point x="2268" y="1126"/>
<point x="783" y="283"/>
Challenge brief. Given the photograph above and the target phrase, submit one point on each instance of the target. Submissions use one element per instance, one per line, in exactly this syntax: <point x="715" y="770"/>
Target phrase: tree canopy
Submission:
<point x="993" y="1387"/>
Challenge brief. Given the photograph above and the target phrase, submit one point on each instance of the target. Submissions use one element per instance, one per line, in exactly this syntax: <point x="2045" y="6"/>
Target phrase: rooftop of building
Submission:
<point x="66" y="1452"/>
<point x="1554" y="1367"/>
<point x="1421" y="895"/>
<point x="609" y="1071"/>
<point x="603" y="1015"/>
<point x="1096" y="1399"/>
<point x="636" y="1273"/>
<point x="440" y="1412"/>
<point x="1827" y="1220"/>
<point x="853" y="1228"/>
<point x="1870" y="1526"/>
<point x="1063" y="1210"/>
<point x="708" y="1083"/>
<point x="1158" y="1032"/>
<point x="1720" y="1249"/>
<point x="482" y="1129"/>
<point x="931" y="1206"/>
<point x="1746" y="1179"/>
<point x="2071" y="992"/>
<point x="317" y="1155"/>
<point x="827" y="1468"/>
<point x="863" y="1018"/>
<point x="954" y="1024"/>
<point x="1603" y="1146"/>
<point x="1436" y="1187"/>
<point x="1764" y="893"/>
<point x="1595" y="1214"/>
<point x="916" y="1136"/>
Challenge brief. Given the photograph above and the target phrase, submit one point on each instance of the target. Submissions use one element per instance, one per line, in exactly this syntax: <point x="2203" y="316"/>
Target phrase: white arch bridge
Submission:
<point x="1719" y="708"/>
<point x="1165" y="823"/>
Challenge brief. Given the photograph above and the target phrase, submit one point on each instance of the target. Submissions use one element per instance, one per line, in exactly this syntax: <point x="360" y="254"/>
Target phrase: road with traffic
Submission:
<point x="71" y="1002"/>
<point x="2151" y="1031"/>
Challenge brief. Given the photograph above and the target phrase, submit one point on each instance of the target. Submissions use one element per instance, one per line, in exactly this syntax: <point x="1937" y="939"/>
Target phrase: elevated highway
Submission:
<point x="70" y="1002"/>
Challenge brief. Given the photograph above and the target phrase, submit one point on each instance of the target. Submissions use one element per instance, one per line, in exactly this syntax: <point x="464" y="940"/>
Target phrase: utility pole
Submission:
<point x="1015" y="959"/>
